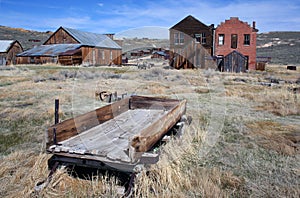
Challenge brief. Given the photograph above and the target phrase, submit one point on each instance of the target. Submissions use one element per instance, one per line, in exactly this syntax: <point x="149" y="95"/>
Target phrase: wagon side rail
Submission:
<point x="75" y="126"/>
<point x="145" y="140"/>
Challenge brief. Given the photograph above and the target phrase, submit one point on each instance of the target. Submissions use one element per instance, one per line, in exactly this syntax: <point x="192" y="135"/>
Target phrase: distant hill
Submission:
<point x="27" y="38"/>
<point x="283" y="47"/>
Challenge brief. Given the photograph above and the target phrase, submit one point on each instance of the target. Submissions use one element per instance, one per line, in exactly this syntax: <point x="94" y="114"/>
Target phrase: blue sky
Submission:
<point x="120" y="16"/>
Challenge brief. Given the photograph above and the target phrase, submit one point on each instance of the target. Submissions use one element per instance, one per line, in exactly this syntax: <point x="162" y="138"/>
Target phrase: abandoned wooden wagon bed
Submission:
<point x="117" y="136"/>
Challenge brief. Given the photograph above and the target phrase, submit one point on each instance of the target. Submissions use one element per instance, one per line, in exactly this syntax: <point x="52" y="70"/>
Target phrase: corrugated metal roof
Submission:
<point x="160" y="53"/>
<point x="92" y="39"/>
<point x="50" y="50"/>
<point x="5" y="45"/>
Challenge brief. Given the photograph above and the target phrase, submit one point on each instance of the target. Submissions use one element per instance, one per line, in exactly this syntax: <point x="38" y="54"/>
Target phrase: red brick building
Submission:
<point x="235" y="35"/>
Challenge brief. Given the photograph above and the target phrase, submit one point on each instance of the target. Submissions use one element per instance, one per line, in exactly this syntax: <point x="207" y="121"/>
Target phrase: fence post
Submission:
<point x="56" y="115"/>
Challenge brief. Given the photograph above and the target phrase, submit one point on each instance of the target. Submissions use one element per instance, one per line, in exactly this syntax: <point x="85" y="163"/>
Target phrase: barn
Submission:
<point x="68" y="46"/>
<point x="8" y="51"/>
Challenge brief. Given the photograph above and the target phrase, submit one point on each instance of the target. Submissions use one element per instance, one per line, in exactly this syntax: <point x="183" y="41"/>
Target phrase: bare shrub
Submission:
<point x="37" y="79"/>
<point x="8" y="68"/>
<point x="154" y="74"/>
<point x="209" y="73"/>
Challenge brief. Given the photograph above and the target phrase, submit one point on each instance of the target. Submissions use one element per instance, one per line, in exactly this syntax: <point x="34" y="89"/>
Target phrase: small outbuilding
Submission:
<point x="8" y="51"/>
<point x="233" y="62"/>
<point x="160" y="55"/>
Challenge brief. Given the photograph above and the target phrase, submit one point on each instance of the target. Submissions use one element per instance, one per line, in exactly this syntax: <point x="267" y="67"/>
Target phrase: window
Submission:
<point x="178" y="38"/>
<point x="234" y="40"/>
<point x="103" y="55"/>
<point x="201" y="38"/>
<point x="111" y="55"/>
<point x="246" y="39"/>
<point x="221" y="39"/>
<point x="181" y="41"/>
<point x="247" y="62"/>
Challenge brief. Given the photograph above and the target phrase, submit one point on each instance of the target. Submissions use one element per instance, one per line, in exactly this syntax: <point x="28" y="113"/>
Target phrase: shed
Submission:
<point x="160" y="54"/>
<point x="8" y="51"/>
<point x="233" y="62"/>
<point x="261" y="62"/>
<point x="48" y="54"/>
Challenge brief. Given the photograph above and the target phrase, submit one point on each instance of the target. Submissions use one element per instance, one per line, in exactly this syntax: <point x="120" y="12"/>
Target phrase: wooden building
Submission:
<point x="68" y="46"/>
<point x="235" y="35"/>
<point x="8" y="51"/>
<point x="234" y="62"/>
<point x="160" y="55"/>
<point x="191" y="41"/>
<point x="54" y="53"/>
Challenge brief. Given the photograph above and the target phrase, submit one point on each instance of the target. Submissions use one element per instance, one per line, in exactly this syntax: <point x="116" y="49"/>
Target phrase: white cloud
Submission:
<point x="100" y="4"/>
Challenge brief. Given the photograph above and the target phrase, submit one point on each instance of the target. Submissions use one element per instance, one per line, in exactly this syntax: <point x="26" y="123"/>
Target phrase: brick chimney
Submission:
<point x="110" y="36"/>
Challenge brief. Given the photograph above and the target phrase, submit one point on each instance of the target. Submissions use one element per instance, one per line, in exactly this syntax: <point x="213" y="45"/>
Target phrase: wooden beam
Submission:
<point x="144" y="102"/>
<point x="145" y="140"/>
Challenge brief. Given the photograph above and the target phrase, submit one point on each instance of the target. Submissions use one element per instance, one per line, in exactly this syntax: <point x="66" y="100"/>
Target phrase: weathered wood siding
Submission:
<point x="36" y="60"/>
<point x="61" y="37"/>
<point x="189" y="54"/>
<point x="74" y="126"/>
<point x="101" y="56"/>
<point x="3" y="59"/>
<point x="71" y="58"/>
<point x="235" y="62"/>
<point x="9" y="58"/>
<point x="192" y="55"/>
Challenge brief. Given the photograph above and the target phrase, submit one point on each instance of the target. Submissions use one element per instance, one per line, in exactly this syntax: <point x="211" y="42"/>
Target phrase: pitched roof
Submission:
<point x="92" y="39"/>
<point x="5" y="45"/>
<point x="190" y="19"/>
<point x="50" y="50"/>
<point x="161" y="53"/>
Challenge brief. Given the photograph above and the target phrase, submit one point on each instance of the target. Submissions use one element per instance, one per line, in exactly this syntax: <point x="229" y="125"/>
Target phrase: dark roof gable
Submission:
<point x="191" y="21"/>
<point x="191" y="26"/>
<point x="6" y="45"/>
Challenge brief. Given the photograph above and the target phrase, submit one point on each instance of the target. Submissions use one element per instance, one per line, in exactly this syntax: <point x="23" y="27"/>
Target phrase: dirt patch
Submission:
<point x="284" y="139"/>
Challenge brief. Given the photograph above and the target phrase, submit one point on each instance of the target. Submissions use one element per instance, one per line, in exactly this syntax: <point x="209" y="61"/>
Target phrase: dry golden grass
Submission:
<point x="181" y="171"/>
<point x="275" y="136"/>
<point x="177" y="176"/>
<point x="21" y="171"/>
<point x="277" y="99"/>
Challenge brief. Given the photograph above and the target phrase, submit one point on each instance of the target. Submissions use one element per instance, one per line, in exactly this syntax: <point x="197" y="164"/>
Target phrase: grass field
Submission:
<point x="244" y="139"/>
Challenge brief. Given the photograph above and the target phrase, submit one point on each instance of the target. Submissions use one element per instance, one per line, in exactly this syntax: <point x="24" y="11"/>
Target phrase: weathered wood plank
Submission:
<point x="142" y="102"/>
<point x="121" y="131"/>
<point x="150" y="135"/>
<point x="74" y="126"/>
<point x="112" y="137"/>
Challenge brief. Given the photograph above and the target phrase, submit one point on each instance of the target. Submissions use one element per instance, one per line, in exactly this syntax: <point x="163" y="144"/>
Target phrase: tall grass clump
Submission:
<point x="178" y="174"/>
